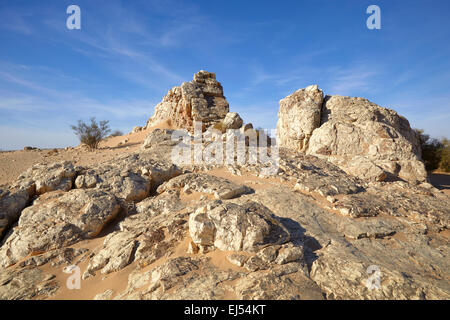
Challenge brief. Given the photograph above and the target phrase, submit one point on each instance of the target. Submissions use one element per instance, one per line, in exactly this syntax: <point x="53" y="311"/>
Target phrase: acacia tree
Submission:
<point x="91" y="134"/>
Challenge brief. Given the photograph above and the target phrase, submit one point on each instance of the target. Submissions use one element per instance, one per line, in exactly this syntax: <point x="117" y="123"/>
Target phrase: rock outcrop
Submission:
<point x="364" y="139"/>
<point x="58" y="220"/>
<point x="232" y="120"/>
<point x="201" y="99"/>
<point x="40" y="179"/>
<point x="231" y="227"/>
<point x="311" y="230"/>
<point x="37" y="180"/>
<point x="12" y="202"/>
<point x="220" y="188"/>
<point x="298" y="117"/>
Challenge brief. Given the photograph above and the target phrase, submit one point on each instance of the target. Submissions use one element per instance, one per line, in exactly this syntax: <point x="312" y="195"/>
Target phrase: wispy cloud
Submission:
<point x="13" y="79"/>
<point x="125" y="44"/>
<point x="15" y="21"/>
<point x="361" y="77"/>
<point x="21" y="94"/>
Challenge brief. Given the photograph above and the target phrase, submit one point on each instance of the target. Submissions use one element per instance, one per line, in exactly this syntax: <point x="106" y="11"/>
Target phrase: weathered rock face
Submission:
<point x="26" y="284"/>
<point x="364" y="139"/>
<point x="339" y="249"/>
<point x="201" y="99"/>
<point x="58" y="219"/>
<point x="248" y="227"/>
<point x="11" y="204"/>
<point x="158" y="137"/>
<point x="298" y="116"/>
<point x="40" y="178"/>
<point x="367" y="140"/>
<point x="130" y="177"/>
<point x="199" y="182"/>
<point x="37" y="180"/>
<point x="116" y="253"/>
<point x="196" y="231"/>
<point x="232" y="121"/>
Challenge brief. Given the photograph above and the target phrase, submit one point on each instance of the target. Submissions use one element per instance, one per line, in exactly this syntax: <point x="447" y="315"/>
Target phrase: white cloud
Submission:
<point x="348" y="81"/>
<point x="16" y="21"/>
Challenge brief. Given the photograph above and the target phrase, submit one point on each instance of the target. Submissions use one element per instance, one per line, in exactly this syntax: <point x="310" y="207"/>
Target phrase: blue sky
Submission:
<point x="128" y="54"/>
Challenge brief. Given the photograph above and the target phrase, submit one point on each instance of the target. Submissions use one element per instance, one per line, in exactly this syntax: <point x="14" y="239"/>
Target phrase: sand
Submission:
<point x="13" y="163"/>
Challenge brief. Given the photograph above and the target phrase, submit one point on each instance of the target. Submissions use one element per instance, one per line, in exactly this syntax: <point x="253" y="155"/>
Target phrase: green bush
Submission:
<point x="444" y="165"/>
<point x="435" y="152"/>
<point x="91" y="134"/>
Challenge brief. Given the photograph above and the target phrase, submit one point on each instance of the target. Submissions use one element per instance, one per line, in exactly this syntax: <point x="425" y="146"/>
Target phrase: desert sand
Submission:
<point x="13" y="163"/>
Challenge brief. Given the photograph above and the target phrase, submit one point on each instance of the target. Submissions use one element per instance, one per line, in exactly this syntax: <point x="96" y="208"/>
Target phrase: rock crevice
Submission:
<point x="366" y="140"/>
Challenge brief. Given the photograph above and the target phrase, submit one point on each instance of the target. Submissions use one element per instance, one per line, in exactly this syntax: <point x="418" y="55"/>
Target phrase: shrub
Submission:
<point x="444" y="165"/>
<point x="91" y="134"/>
<point x="435" y="152"/>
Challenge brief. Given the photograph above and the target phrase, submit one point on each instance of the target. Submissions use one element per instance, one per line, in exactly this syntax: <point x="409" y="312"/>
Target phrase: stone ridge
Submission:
<point x="364" y="139"/>
<point x="310" y="232"/>
<point x="140" y="226"/>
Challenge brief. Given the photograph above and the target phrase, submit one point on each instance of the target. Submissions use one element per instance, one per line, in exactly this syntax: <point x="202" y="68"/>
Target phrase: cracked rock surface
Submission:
<point x="140" y="226"/>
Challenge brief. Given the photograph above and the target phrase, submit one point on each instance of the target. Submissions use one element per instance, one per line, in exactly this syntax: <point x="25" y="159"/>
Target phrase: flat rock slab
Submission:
<point x="221" y="188"/>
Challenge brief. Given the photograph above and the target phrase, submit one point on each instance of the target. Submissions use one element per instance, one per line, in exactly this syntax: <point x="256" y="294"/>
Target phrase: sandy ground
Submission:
<point x="13" y="163"/>
<point x="117" y="281"/>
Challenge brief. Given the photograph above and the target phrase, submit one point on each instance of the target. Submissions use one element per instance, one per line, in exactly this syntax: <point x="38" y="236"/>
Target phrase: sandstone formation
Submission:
<point x="299" y="115"/>
<point x="201" y="99"/>
<point x="232" y="120"/>
<point x="232" y="227"/>
<point x="12" y="202"/>
<point x="364" y="139"/>
<point x="218" y="187"/>
<point x="57" y="220"/>
<point x="140" y="226"/>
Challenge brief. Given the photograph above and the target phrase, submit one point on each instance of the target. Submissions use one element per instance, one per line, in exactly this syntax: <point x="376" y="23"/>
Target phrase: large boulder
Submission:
<point x="201" y="99"/>
<point x="117" y="253"/>
<point x="42" y="178"/>
<point x="229" y="226"/>
<point x="159" y="137"/>
<point x="232" y="121"/>
<point x="37" y="180"/>
<point x="364" y="139"/>
<point x="129" y="177"/>
<point x="57" y="220"/>
<point x="298" y="116"/>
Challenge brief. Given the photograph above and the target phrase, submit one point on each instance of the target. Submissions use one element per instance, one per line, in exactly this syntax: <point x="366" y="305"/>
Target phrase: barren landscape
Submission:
<point x="350" y="211"/>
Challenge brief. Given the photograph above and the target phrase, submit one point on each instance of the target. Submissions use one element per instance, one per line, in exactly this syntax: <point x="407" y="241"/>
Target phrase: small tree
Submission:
<point x="91" y="134"/>
<point x="435" y="153"/>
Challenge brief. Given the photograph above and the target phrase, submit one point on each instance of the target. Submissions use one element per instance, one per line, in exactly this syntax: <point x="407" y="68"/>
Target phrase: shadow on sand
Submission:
<point x="440" y="180"/>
